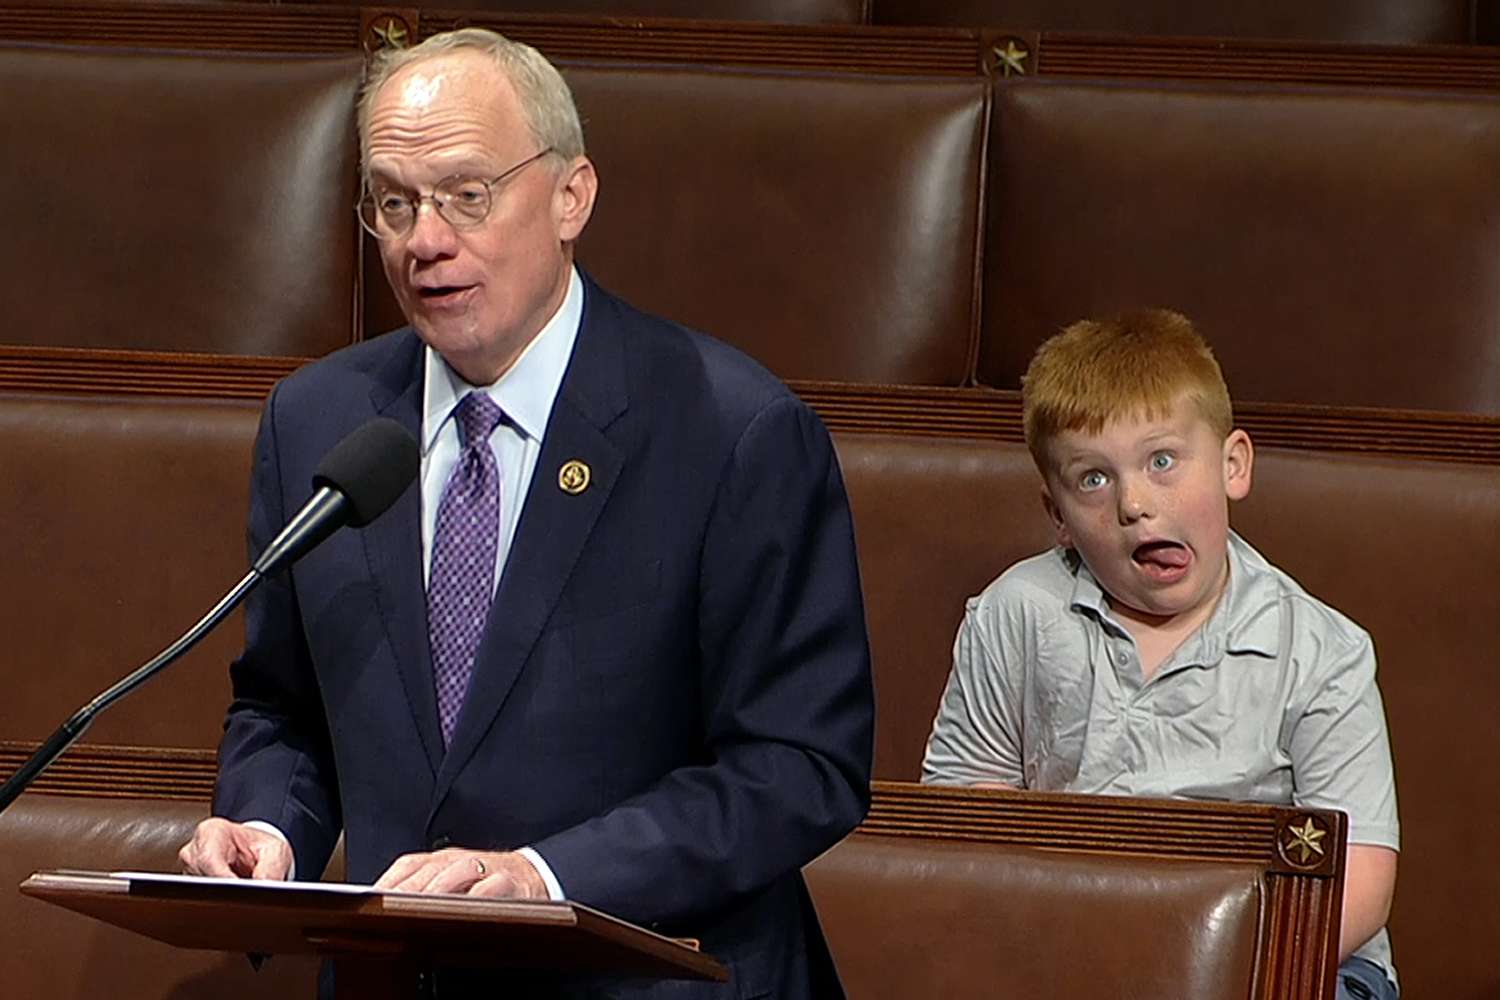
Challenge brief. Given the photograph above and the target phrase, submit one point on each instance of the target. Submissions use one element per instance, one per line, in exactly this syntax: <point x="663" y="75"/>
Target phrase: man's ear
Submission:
<point x="1239" y="462"/>
<point x="573" y="200"/>
<point x="1059" y="526"/>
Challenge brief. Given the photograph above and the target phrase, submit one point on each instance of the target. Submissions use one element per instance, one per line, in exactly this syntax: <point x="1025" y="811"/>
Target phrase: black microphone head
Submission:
<point x="371" y="467"/>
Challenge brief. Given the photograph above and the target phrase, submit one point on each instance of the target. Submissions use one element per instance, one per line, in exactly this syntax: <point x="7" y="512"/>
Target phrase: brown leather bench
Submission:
<point x="1336" y="246"/>
<point x="52" y="954"/>
<point x="125" y="522"/>
<point x="854" y="257"/>
<point x="1407" y="548"/>
<point x="178" y="202"/>
<point x="959" y="893"/>
<point x="985" y="898"/>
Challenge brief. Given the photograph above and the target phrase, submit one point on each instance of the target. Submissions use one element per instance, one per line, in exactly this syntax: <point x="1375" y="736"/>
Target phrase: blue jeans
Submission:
<point x="1361" y="979"/>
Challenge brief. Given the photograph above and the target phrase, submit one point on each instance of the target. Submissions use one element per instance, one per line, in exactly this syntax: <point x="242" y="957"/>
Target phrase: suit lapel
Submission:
<point x="554" y="527"/>
<point x="393" y="546"/>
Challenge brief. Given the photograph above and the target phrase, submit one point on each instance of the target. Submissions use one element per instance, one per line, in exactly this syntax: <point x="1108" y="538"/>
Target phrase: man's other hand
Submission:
<point x="506" y="875"/>
<point x="223" y="849"/>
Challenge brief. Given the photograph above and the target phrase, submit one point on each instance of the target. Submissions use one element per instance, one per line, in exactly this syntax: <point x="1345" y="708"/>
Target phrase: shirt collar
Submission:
<point x="1251" y="606"/>
<point x="1247" y="618"/>
<point x="526" y="391"/>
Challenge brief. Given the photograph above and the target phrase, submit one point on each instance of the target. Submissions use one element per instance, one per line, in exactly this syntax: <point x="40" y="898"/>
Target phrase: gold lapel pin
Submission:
<point x="573" y="477"/>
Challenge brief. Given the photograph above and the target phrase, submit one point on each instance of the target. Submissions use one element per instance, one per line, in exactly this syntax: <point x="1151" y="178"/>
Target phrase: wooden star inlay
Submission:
<point x="391" y="33"/>
<point x="1305" y="841"/>
<point x="1011" y="58"/>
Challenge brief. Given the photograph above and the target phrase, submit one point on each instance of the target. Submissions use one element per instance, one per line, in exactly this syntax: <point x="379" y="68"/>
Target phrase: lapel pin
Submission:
<point x="573" y="477"/>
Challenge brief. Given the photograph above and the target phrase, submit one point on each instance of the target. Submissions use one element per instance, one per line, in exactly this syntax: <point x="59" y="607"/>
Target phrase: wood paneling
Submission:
<point x="884" y="409"/>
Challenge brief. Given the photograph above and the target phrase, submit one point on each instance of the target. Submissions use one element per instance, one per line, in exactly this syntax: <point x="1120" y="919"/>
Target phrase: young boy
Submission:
<point x="1153" y="651"/>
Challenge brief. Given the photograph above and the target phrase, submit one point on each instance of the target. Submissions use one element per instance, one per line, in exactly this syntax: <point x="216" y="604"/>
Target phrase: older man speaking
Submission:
<point x="611" y="648"/>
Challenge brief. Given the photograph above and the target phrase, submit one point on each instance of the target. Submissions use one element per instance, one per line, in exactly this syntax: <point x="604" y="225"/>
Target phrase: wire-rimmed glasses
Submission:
<point x="463" y="202"/>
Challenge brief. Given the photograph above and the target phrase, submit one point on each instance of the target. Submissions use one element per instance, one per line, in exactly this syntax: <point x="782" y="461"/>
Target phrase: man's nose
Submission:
<point x="431" y="236"/>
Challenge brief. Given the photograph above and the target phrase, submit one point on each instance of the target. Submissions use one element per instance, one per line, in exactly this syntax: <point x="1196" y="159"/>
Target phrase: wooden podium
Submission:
<point x="379" y="942"/>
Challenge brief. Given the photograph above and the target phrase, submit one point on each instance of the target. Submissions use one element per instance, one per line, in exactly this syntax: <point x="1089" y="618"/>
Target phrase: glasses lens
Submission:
<point x="366" y="210"/>
<point x="463" y="201"/>
<point x="386" y="214"/>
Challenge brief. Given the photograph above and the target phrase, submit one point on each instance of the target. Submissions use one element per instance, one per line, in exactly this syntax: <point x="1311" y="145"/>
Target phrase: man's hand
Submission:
<point x="233" y="850"/>
<point x="505" y="875"/>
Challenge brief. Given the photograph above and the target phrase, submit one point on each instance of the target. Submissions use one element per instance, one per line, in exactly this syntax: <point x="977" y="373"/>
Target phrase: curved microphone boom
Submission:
<point x="354" y="484"/>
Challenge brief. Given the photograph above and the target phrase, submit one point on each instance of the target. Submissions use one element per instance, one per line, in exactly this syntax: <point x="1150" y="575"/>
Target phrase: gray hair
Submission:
<point x="546" y="101"/>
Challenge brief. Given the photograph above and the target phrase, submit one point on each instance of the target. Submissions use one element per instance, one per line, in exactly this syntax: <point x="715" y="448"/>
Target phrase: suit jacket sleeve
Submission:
<point x="787" y="704"/>
<point x="275" y="762"/>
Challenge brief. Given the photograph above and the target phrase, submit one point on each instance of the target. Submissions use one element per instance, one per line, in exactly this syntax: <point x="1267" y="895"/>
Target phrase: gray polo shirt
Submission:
<point x="1272" y="700"/>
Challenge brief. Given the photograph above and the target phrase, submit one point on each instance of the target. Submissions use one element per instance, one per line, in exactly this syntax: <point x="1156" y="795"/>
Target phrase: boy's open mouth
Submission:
<point x="1162" y="555"/>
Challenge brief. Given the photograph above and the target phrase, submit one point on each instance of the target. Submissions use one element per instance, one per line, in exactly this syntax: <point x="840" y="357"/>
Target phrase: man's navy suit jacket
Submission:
<point x="671" y="701"/>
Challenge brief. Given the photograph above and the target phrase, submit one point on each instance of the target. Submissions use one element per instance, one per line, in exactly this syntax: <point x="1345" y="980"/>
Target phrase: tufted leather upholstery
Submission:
<point x="1336" y="247"/>
<point x="851" y="258"/>
<point x="125" y="522"/>
<point x="54" y="954"/>
<point x="1406" y="548"/>
<point x="910" y="917"/>
<point x="177" y="202"/>
<point x="848" y="258"/>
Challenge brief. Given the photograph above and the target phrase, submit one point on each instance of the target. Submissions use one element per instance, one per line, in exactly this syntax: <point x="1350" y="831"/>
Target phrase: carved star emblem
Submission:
<point x="391" y="33"/>
<point x="1306" y="841"/>
<point x="1011" y="59"/>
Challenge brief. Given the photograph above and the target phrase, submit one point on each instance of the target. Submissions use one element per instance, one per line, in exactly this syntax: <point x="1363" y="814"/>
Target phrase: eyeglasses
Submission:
<point x="463" y="202"/>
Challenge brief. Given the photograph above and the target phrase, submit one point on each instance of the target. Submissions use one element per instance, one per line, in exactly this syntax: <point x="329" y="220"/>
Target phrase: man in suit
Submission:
<point x="611" y="647"/>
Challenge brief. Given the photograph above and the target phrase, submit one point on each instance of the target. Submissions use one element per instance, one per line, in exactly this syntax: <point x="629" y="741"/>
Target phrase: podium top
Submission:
<point x="341" y="921"/>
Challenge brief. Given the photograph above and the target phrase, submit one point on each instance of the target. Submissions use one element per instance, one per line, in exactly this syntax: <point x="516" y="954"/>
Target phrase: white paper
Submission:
<point x="344" y="888"/>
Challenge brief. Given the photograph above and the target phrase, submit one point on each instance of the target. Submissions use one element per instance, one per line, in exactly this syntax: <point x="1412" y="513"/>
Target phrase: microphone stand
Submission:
<point x="377" y="461"/>
<point x="69" y="731"/>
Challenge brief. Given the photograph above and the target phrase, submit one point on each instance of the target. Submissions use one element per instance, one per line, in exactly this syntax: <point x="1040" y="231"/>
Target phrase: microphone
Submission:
<point x="355" y="483"/>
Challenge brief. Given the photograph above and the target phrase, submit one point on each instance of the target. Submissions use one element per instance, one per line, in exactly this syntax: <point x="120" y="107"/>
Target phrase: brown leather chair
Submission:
<point x="825" y="224"/>
<point x="125" y="522"/>
<point x="178" y="202"/>
<point x="956" y="893"/>
<point x="1336" y="246"/>
<point x="935" y="519"/>
<point x="1389" y="21"/>
<point x="1405" y="547"/>
<point x="828" y="226"/>
<point x="1409" y="550"/>
<point x="54" y="954"/>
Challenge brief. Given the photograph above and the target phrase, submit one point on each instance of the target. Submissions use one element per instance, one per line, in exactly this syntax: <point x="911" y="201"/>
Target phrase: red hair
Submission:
<point x="1137" y="364"/>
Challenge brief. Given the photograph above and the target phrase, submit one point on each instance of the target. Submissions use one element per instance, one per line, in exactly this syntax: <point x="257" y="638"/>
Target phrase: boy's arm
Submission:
<point x="1341" y="759"/>
<point x="1369" y="885"/>
<point x="976" y="737"/>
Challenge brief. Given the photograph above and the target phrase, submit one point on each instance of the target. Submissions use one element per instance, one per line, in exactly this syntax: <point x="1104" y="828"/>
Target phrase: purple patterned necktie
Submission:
<point x="461" y="582"/>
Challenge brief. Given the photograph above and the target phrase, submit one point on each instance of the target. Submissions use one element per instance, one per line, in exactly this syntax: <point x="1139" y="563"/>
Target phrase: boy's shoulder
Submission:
<point x="1045" y="580"/>
<point x="1275" y="615"/>
<point x="1028" y="602"/>
<point x="1298" y="615"/>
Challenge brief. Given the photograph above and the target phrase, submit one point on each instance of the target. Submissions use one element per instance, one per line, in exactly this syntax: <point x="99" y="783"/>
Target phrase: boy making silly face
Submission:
<point x="1144" y="503"/>
<point x="1153" y="651"/>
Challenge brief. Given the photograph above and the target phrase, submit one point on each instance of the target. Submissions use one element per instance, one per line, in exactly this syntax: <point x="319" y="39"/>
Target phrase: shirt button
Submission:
<point x="440" y="842"/>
